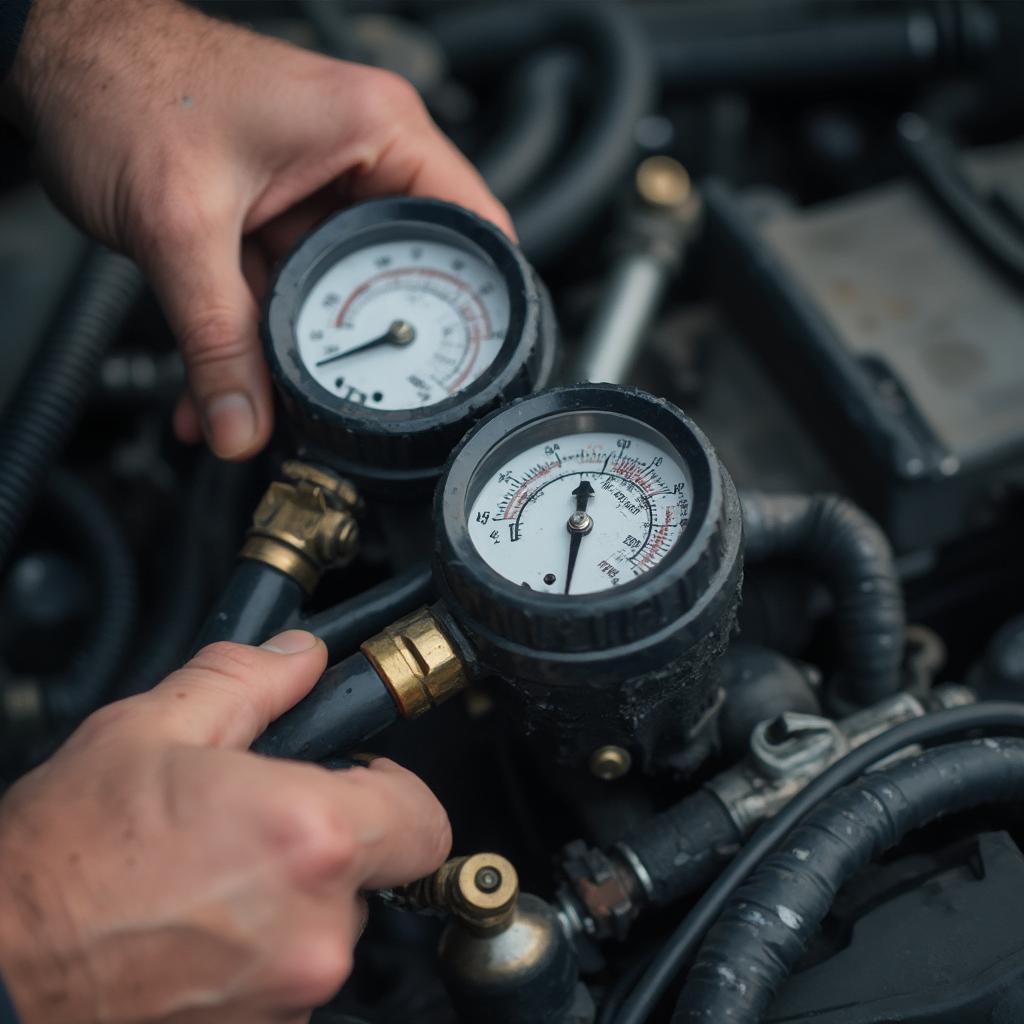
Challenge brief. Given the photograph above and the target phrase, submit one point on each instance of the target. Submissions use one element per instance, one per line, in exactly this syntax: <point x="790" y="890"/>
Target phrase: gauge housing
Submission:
<point x="382" y="448"/>
<point x="631" y="664"/>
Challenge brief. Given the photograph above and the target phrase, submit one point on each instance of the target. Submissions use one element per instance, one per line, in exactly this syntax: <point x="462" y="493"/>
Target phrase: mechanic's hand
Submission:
<point x="204" y="151"/>
<point x="154" y="870"/>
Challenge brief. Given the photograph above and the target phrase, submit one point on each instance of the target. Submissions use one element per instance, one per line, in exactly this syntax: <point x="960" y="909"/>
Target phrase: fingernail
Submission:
<point x="229" y="422"/>
<point x="291" y="641"/>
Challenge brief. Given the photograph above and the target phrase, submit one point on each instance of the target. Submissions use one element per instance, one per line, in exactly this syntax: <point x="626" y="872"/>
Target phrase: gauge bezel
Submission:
<point x="521" y="620"/>
<point x="361" y="434"/>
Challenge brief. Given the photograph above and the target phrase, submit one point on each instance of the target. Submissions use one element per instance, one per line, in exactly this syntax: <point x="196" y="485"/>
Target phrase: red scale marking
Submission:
<point x="631" y="471"/>
<point x="520" y="496"/>
<point x="475" y="337"/>
<point x="659" y="538"/>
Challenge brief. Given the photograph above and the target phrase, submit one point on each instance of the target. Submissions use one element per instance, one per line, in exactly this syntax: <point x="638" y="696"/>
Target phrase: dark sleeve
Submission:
<point x="13" y="14"/>
<point x="7" y="1014"/>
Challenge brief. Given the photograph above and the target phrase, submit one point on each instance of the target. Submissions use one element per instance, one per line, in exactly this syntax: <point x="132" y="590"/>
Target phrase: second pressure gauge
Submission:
<point x="589" y="533"/>
<point x="394" y="326"/>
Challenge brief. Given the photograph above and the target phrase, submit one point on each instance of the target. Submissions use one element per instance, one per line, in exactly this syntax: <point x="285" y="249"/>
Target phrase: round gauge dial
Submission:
<point x="404" y="323"/>
<point x="580" y="520"/>
<point x="396" y="325"/>
<point x="588" y="555"/>
<point x="580" y="512"/>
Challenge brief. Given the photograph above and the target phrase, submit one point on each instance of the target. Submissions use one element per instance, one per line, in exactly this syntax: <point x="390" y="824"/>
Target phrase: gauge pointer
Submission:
<point x="578" y="525"/>
<point x="399" y="333"/>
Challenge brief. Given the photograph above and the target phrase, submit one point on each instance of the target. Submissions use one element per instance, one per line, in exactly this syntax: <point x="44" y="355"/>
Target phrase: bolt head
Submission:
<point x="610" y="762"/>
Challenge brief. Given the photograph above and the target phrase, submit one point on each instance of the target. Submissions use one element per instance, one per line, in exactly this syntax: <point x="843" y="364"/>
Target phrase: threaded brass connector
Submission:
<point x="305" y="524"/>
<point x="417" y="662"/>
<point x="481" y="891"/>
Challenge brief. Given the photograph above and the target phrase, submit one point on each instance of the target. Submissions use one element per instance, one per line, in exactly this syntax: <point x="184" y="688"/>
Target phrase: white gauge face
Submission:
<point x="581" y="512"/>
<point x="403" y="324"/>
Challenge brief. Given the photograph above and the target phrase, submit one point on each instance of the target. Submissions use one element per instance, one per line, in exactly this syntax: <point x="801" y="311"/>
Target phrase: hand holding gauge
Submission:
<point x="394" y="326"/>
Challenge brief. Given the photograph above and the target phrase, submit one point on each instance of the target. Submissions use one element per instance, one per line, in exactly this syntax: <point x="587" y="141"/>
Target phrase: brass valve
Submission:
<point x="304" y="524"/>
<point x="481" y="891"/>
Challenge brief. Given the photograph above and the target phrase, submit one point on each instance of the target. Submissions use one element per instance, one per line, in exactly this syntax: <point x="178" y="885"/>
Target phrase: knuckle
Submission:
<point x="394" y="97"/>
<point x="169" y="215"/>
<point x="319" y="843"/>
<point x="236" y="662"/>
<point x="214" y="337"/>
<point x="321" y="966"/>
<point x="104" y="721"/>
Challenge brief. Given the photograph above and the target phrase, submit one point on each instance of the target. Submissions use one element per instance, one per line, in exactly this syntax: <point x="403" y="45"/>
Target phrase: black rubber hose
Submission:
<point x="348" y="705"/>
<point x="841" y="543"/>
<point x="257" y="602"/>
<point x="768" y="50"/>
<point x="621" y="77"/>
<point x="684" y="847"/>
<point x="88" y="524"/>
<point x="1002" y="716"/>
<point x="536" y="118"/>
<point x="49" y="402"/>
<point x="345" y="626"/>
<point x="764" y="930"/>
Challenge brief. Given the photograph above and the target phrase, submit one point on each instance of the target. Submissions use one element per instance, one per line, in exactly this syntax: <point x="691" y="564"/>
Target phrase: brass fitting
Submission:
<point x="417" y="663"/>
<point x="663" y="182"/>
<point x="610" y="762"/>
<point x="481" y="891"/>
<point x="302" y="526"/>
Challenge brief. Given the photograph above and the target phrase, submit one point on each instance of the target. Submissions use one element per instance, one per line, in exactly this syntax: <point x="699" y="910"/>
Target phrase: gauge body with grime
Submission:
<point x="394" y="326"/>
<point x="589" y="547"/>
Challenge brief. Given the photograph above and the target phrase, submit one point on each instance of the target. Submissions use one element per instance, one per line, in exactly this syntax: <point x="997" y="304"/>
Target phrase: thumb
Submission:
<point x="197" y="276"/>
<point x="229" y="693"/>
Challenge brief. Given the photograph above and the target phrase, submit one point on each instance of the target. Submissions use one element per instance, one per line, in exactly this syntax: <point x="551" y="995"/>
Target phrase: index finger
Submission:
<point x="400" y="831"/>
<point x="426" y="163"/>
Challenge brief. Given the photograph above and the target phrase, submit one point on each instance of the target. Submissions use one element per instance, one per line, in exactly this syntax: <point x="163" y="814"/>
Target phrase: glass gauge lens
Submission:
<point x="403" y="323"/>
<point x="579" y="510"/>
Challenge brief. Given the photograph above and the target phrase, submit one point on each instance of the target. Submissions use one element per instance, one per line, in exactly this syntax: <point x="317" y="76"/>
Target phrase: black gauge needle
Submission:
<point x="578" y="525"/>
<point x="399" y="333"/>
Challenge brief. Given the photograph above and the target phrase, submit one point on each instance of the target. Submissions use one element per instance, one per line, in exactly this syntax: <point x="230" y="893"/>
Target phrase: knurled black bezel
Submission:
<point x="369" y="442"/>
<point x="520" y="630"/>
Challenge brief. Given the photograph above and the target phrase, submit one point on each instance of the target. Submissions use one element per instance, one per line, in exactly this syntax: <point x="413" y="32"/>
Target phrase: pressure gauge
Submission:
<point x="589" y="548"/>
<point x="397" y="324"/>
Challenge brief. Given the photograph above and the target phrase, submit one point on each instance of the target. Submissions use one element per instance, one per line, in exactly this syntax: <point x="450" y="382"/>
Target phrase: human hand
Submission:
<point x="155" y="870"/>
<point x="204" y="151"/>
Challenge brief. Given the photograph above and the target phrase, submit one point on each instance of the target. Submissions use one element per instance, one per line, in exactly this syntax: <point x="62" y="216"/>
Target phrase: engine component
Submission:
<point x="835" y="538"/>
<point x="760" y="684"/>
<point x="901" y="348"/>
<point x="930" y="938"/>
<point x="393" y="327"/>
<point x="38" y="424"/>
<point x="553" y="213"/>
<point x="589" y="549"/>
<point x="504" y="956"/>
<point x="675" y="853"/>
<point x="657" y="228"/>
<point x="763" y="931"/>
<point x="683" y="942"/>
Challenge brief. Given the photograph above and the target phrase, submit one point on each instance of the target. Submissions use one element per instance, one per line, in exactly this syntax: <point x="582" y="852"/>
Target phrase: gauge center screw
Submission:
<point x="580" y="522"/>
<point x="401" y="332"/>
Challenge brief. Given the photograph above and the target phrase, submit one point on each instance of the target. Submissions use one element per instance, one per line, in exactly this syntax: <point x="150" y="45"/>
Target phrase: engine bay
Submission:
<point x="676" y="544"/>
